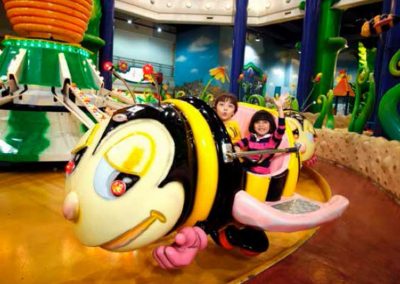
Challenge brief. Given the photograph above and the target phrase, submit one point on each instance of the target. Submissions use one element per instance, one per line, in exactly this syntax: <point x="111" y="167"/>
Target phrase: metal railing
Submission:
<point x="167" y="70"/>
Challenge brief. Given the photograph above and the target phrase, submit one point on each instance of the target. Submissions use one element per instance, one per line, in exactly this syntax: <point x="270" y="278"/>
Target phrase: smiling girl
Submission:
<point x="264" y="134"/>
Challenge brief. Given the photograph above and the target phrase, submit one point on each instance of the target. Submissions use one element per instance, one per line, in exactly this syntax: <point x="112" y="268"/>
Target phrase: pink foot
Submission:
<point x="188" y="242"/>
<point x="311" y="162"/>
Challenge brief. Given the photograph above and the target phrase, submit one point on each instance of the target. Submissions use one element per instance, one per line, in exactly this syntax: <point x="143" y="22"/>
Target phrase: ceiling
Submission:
<point x="220" y="12"/>
<point x="287" y="34"/>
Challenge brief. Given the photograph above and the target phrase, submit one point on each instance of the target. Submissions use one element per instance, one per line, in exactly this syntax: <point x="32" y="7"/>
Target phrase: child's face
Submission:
<point x="225" y="110"/>
<point x="261" y="127"/>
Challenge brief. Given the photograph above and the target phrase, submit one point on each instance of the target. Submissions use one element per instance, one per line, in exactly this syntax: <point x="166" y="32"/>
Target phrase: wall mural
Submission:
<point x="197" y="51"/>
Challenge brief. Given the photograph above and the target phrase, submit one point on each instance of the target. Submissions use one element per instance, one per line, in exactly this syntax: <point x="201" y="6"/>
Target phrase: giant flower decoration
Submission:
<point x="153" y="78"/>
<point x="148" y="72"/>
<point x="217" y="73"/>
<point x="317" y="78"/>
<point x="220" y="74"/>
<point x="123" y="66"/>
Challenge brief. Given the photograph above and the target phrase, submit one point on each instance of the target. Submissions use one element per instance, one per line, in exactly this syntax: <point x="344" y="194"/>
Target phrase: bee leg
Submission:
<point x="250" y="241"/>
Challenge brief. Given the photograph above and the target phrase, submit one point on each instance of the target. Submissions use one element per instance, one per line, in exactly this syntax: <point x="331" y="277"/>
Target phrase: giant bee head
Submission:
<point x="303" y="133"/>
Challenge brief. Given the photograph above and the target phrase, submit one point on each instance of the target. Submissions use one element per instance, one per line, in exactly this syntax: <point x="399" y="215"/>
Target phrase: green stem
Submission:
<point x="308" y="97"/>
<point x="330" y="119"/>
<point x="320" y="119"/>
<point x="259" y="100"/>
<point x="205" y="88"/>
<point x="394" y="64"/>
<point x="388" y="113"/>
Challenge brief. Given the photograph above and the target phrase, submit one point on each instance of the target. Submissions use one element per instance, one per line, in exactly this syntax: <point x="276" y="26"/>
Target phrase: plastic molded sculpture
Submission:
<point x="343" y="89"/>
<point x="63" y="20"/>
<point x="328" y="46"/>
<point x="326" y="111"/>
<point x="44" y="79"/>
<point x="252" y="84"/>
<point x="365" y="89"/>
<point x="388" y="106"/>
<point x="148" y="171"/>
<point x="304" y="134"/>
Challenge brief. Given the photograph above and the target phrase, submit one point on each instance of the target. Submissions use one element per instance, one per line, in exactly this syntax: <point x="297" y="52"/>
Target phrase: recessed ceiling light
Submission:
<point x="267" y="4"/>
<point x="188" y="4"/>
<point x="169" y="4"/>
<point x="129" y="21"/>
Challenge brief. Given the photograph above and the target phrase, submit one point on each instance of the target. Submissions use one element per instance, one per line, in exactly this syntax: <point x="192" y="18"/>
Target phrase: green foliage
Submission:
<point x="255" y="100"/>
<point x="364" y="89"/>
<point x="326" y="111"/>
<point x="388" y="112"/>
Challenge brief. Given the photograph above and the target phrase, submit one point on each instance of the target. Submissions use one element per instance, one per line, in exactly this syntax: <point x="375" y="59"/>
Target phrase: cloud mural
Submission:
<point x="200" y="44"/>
<point x="250" y="55"/>
<point x="181" y="58"/>
<point x="197" y="52"/>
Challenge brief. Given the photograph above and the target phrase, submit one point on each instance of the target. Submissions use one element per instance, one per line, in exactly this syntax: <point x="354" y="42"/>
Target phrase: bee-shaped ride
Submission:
<point x="149" y="171"/>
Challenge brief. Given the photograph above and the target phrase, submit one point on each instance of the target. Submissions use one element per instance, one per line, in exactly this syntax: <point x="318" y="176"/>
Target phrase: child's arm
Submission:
<point x="279" y="103"/>
<point x="280" y="130"/>
<point x="242" y="144"/>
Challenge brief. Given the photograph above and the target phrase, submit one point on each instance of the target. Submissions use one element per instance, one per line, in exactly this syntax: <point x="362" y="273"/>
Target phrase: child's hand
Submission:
<point x="281" y="100"/>
<point x="238" y="150"/>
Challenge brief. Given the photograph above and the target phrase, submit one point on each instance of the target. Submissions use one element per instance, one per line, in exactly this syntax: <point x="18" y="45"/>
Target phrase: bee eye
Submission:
<point x="118" y="187"/>
<point x="73" y="163"/>
<point x="122" y="183"/>
<point x="295" y="133"/>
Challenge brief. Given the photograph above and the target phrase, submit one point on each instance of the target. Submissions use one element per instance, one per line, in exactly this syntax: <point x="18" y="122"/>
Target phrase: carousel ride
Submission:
<point x="170" y="167"/>
<point x="46" y="75"/>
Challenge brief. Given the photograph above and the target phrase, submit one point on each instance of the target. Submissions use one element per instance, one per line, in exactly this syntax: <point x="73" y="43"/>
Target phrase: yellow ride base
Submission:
<point x="37" y="245"/>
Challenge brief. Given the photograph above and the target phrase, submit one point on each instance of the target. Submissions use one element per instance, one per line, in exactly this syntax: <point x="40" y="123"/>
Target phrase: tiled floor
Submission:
<point x="363" y="246"/>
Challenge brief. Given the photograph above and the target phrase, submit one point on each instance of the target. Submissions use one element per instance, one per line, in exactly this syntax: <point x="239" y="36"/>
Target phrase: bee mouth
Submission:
<point x="132" y="234"/>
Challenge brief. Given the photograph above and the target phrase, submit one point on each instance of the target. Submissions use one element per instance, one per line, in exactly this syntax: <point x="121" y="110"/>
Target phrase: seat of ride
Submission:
<point x="279" y="162"/>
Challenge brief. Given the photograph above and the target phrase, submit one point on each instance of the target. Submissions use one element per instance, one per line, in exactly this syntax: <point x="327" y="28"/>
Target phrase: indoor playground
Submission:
<point x="233" y="141"/>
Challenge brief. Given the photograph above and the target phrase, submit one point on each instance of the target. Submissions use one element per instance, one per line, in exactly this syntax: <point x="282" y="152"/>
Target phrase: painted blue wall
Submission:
<point x="200" y="48"/>
<point x="279" y="64"/>
<point x="197" y="51"/>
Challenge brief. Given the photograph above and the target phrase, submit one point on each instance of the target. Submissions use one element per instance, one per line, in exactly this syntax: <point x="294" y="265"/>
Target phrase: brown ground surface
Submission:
<point x="363" y="245"/>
